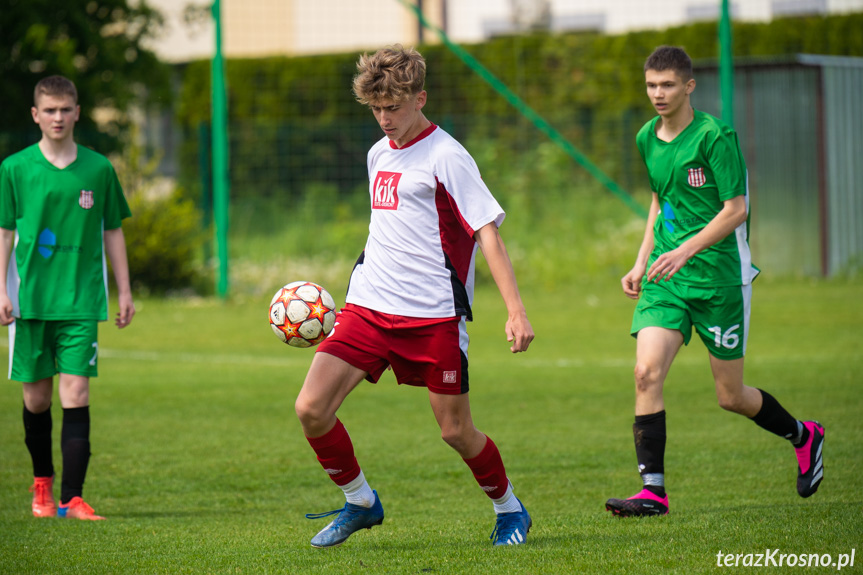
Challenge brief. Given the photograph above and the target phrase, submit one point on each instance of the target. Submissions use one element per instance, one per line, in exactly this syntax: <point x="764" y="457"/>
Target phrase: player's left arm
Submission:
<point x="518" y="329"/>
<point x="732" y="214"/>
<point x="115" y="246"/>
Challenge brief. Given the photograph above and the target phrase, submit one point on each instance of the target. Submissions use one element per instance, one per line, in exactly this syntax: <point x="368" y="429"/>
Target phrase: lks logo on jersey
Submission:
<point x="85" y="200"/>
<point x="696" y="177"/>
<point x="668" y="217"/>
<point x="386" y="192"/>
<point x="47" y="245"/>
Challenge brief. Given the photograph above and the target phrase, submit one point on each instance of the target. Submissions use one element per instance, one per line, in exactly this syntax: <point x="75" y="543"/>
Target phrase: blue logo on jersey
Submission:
<point x="47" y="243"/>
<point x="668" y="217"/>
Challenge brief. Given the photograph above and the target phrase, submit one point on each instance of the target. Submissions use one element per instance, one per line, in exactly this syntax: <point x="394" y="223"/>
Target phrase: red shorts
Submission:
<point x="427" y="352"/>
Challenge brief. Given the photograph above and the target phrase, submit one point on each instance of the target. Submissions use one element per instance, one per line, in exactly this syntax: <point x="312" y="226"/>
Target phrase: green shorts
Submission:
<point x="720" y="315"/>
<point x="40" y="349"/>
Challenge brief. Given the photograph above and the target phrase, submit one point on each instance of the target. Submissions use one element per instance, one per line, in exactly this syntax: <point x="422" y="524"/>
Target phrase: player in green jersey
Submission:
<point x="61" y="208"/>
<point x="694" y="270"/>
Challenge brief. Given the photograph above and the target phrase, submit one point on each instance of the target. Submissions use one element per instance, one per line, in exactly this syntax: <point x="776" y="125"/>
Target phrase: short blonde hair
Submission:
<point x="393" y="73"/>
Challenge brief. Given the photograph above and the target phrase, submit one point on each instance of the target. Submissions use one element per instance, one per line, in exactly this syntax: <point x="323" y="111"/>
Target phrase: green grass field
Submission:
<point x="201" y="467"/>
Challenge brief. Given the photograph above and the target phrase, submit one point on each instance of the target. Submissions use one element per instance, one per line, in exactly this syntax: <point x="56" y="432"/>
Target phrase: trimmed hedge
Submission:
<point x="294" y="122"/>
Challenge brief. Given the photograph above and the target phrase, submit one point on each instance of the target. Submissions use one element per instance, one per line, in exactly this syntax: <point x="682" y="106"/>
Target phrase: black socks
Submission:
<point x="649" y="434"/>
<point x="37" y="437"/>
<point x="775" y="419"/>
<point x="75" y="444"/>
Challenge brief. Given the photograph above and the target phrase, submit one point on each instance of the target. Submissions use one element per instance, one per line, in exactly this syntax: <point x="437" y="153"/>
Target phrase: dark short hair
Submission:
<point x="670" y="58"/>
<point x="55" y="86"/>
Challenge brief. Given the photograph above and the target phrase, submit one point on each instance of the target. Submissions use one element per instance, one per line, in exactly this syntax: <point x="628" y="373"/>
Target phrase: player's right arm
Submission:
<point x="732" y="215"/>
<point x="631" y="282"/>
<point x="7" y="238"/>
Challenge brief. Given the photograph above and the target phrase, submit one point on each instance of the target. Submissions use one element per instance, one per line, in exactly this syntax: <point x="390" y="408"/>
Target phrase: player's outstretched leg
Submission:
<point x="512" y="528"/>
<point x="351" y="518"/>
<point x="810" y="459"/>
<point x="44" y="504"/>
<point x="639" y="505"/>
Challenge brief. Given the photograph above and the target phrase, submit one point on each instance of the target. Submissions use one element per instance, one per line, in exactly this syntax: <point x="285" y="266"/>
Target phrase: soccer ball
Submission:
<point x="302" y="314"/>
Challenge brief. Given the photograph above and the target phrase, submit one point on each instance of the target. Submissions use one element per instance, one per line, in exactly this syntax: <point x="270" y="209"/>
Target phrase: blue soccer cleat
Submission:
<point x="351" y="518"/>
<point x="512" y="528"/>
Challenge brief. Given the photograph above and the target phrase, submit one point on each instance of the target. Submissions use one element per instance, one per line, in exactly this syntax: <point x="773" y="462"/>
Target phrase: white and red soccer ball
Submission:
<point x="302" y="314"/>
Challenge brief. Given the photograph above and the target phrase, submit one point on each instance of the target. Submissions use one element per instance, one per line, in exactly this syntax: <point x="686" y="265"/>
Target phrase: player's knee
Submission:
<point x="647" y="377"/>
<point x="308" y="413"/>
<point x="450" y="438"/>
<point x="37" y="404"/>
<point x="455" y="438"/>
<point x="730" y="402"/>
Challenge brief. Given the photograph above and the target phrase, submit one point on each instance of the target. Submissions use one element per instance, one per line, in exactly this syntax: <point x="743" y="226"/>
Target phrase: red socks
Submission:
<point x="487" y="468"/>
<point x="336" y="454"/>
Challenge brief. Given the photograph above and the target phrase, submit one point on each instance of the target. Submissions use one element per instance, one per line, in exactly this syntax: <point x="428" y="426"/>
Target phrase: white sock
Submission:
<point x="509" y="503"/>
<point x="359" y="492"/>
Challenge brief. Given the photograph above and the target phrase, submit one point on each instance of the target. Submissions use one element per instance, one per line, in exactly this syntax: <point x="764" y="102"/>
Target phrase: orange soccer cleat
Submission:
<point x="77" y="509"/>
<point x="44" y="504"/>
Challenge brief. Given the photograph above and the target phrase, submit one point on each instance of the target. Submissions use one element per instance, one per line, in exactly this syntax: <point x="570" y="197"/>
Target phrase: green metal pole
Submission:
<point x="221" y="183"/>
<point x="538" y="121"/>
<point x="726" y="65"/>
<point x="205" y="168"/>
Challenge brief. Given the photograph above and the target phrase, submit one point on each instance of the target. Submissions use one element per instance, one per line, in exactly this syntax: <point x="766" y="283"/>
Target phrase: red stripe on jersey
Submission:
<point x="456" y="235"/>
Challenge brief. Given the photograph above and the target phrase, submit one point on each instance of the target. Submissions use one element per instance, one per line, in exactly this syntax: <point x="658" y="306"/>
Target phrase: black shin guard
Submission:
<point x="37" y="437"/>
<point x="75" y="444"/>
<point x="649" y="434"/>
<point x="775" y="419"/>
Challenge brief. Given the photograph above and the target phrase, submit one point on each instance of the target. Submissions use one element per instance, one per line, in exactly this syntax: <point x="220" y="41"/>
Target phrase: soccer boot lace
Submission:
<point x="77" y="509"/>
<point x="512" y="528"/>
<point x="351" y="518"/>
<point x="639" y="505"/>
<point x="809" y="459"/>
<point x="44" y="504"/>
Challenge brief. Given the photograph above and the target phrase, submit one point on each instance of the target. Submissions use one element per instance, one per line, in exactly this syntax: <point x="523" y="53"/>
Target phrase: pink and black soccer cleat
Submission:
<point x="44" y="504"/>
<point x="810" y="461"/>
<point x="639" y="505"/>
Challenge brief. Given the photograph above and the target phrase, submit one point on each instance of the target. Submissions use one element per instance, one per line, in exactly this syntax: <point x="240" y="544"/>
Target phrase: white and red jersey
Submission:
<point x="427" y="200"/>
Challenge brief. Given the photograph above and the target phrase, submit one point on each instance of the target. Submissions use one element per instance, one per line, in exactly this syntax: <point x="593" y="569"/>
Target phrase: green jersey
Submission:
<point x="692" y="176"/>
<point x="58" y="269"/>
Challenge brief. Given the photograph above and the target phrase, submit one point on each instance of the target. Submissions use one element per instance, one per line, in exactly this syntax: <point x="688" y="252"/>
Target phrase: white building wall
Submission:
<point x="266" y="27"/>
